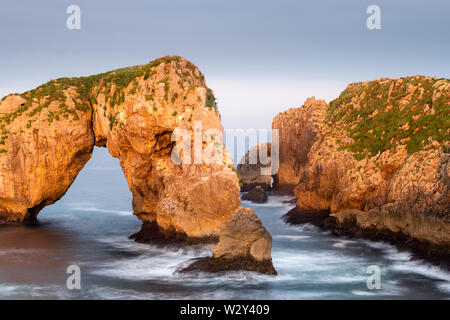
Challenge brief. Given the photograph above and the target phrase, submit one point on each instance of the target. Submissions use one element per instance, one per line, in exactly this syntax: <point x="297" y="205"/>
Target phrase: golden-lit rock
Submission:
<point x="244" y="244"/>
<point x="377" y="158"/>
<point x="48" y="135"/>
<point x="299" y="129"/>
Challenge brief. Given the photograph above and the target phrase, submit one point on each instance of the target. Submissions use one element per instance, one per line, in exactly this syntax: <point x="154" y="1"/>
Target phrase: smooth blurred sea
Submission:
<point x="90" y="225"/>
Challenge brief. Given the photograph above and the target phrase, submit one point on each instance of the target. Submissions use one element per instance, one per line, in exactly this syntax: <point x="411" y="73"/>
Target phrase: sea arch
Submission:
<point x="48" y="135"/>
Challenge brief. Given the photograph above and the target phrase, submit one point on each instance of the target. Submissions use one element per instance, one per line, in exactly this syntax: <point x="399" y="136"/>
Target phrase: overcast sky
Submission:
<point x="260" y="57"/>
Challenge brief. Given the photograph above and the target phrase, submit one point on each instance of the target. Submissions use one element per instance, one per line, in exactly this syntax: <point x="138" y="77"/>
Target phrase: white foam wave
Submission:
<point x="274" y="201"/>
<point x="423" y="268"/>
<point x="388" y="288"/>
<point x="27" y="291"/>
<point x="326" y="261"/>
<point x="290" y="237"/>
<point x="130" y="294"/>
<point x="377" y="244"/>
<point x="157" y="267"/>
<point x="390" y="251"/>
<point x="445" y="287"/>
<point x="123" y="243"/>
<point x="364" y="293"/>
<point x="342" y="243"/>
<point x="93" y="209"/>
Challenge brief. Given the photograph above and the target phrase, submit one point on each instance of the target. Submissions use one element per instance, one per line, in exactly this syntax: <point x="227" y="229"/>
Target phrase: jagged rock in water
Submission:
<point x="256" y="194"/>
<point x="251" y="169"/>
<point x="244" y="244"/>
<point x="377" y="159"/>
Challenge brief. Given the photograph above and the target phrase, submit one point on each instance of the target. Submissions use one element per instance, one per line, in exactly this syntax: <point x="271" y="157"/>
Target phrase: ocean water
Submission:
<point x="90" y="225"/>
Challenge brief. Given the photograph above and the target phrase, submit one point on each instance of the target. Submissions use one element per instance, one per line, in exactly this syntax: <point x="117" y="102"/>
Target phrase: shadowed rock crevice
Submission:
<point x="163" y="142"/>
<point x="152" y="234"/>
<point x="211" y="264"/>
<point x="31" y="216"/>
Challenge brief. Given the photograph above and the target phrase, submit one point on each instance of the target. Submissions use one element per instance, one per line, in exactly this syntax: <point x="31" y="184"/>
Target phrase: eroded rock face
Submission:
<point x="39" y="161"/>
<point x="381" y="161"/>
<point x="244" y="244"/>
<point x="48" y="135"/>
<point x="299" y="129"/>
<point x="244" y="235"/>
<point x="249" y="170"/>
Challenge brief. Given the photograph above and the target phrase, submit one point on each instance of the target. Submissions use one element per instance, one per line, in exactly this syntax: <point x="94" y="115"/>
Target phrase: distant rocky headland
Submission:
<point x="48" y="134"/>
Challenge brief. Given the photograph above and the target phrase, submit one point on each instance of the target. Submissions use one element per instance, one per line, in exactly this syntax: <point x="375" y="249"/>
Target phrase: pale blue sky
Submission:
<point x="260" y="57"/>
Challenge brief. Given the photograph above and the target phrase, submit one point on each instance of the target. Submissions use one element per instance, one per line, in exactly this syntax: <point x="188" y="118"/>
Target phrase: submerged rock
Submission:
<point x="257" y="195"/>
<point x="244" y="244"/>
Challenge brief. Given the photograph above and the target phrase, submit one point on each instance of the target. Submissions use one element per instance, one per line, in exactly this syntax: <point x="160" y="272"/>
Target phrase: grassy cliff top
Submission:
<point x="120" y="78"/>
<point x="114" y="85"/>
<point x="380" y="115"/>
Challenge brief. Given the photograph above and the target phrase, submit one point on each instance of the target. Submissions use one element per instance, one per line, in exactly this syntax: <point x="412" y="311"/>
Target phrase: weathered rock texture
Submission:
<point x="48" y="135"/>
<point x="377" y="158"/>
<point x="244" y="244"/>
<point x="298" y="131"/>
<point x="249" y="168"/>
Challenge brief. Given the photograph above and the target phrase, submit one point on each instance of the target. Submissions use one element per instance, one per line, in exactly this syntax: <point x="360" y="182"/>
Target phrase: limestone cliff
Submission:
<point x="377" y="158"/>
<point x="48" y="135"/>
<point x="298" y="131"/>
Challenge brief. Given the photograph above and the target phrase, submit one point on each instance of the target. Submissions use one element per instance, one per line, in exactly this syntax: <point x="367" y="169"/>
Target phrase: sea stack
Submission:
<point x="244" y="244"/>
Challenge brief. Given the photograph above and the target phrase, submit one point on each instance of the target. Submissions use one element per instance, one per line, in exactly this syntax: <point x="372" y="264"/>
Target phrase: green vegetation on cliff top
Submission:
<point x="121" y="78"/>
<point x="382" y="114"/>
<point x="88" y="88"/>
